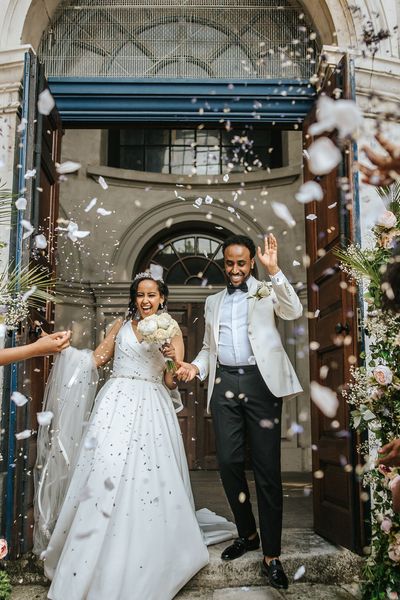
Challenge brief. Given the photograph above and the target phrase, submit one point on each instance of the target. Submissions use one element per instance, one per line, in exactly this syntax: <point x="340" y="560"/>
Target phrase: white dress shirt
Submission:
<point x="234" y="347"/>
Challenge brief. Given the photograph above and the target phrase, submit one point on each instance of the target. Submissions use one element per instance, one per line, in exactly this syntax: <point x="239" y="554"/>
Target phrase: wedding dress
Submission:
<point x="127" y="529"/>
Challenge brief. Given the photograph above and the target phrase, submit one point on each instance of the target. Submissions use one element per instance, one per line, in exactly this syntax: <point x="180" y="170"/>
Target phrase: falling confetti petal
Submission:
<point x="30" y="173"/>
<point x="324" y="156"/>
<point x="208" y="200"/>
<point x="29" y="293"/>
<point x="156" y="271"/>
<point x="308" y="192"/>
<point x="90" y="443"/>
<point x="343" y="115"/>
<point x="19" y="399"/>
<point x="296" y="263"/>
<point x="68" y="166"/>
<point x="23" y="435"/>
<point x="21" y="203"/>
<point x="44" y="418"/>
<point x="198" y="202"/>
<point x="40" y="242"/>
<point x="324" y="398"/>
<point x="45" y="103"/>
<point x="29" y="228"/>
<point x="299" y="573"/>
<point x="74" y="233"/>
<point x="169" y="222"/>
<point x="103" y="183"/>
<point x="282" y="212"/>
<point x="103" y="212"/>
<point x="311" y="217"/>
<point x="91" y="204"/>
<point x="226" y="178"/>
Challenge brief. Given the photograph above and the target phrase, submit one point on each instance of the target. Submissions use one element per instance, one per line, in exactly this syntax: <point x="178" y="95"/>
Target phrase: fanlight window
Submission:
<point x="191" y="260"/>
<point x="202" y="39"/>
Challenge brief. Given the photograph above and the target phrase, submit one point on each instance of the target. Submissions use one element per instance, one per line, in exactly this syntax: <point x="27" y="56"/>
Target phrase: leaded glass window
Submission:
<point x="191" y="260"/>
<point x="197" y="151"/>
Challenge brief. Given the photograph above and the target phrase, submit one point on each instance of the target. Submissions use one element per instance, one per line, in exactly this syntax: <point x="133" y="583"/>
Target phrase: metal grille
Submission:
<point x="201" y="39"/>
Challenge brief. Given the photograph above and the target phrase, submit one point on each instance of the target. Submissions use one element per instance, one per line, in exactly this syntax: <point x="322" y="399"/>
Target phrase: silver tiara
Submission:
<point x="154" y="272"/>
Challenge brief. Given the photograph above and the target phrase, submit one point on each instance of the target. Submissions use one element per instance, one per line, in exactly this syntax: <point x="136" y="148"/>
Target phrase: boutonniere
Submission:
<point x="263" y="290"/>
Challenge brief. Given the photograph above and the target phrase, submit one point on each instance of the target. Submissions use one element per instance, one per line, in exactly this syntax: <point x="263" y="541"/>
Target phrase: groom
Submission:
<point x="249" y="373"/>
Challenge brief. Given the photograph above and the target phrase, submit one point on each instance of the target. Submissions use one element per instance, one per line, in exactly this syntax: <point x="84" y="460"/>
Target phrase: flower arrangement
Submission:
<point x="159" y="329"/>
<point x="374" y="395"/>
<point x="5" y="586"/>
<point x="263" y="290"/>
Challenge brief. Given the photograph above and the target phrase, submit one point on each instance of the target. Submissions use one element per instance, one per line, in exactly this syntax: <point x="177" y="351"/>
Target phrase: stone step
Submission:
<point x="323" y="563"/>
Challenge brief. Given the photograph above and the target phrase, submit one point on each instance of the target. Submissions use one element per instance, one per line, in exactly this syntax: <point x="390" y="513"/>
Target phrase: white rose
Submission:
<point x="164" y="320"/>
<point x="173" y="330"/>
<point x="263" y="290"/>
<point x="147" y="326"/>
<point x="387" y="219"/>
<point x="383" y="375"/>
<point x="161" y="336"/>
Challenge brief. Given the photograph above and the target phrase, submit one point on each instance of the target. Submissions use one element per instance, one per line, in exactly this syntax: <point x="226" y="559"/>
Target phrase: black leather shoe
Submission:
<point x="239" y="547"/>
<point x="275" y="574"/>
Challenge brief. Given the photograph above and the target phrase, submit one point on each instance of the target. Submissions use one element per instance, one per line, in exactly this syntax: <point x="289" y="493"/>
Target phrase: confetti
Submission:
<point x="226" y="178"/>
<point x="299" y="573"/>
<point x="343" y="115"/>
<point x="208" y="200"/>
<point x="40" y="242"/>
<point x="24" y="435"/>
<point x="282" y="212"/>
<point x="44" y="418"/>
<point x="21" y="203"/>
<point x="324" y="398"/>
<point x="308" y="192"/>
<point x="29" y="228"/>
<point x="103" y="212"/>
<point x="19" y="399"/>
<point x="30" y="173"/>
<point x="103" y="183"/>
<point x="91" y="204"/>
<point x="68" y="166"/>
<point x="324" y="156"/>
<point x="311" y="217"/>
<point x="45" y="103"/>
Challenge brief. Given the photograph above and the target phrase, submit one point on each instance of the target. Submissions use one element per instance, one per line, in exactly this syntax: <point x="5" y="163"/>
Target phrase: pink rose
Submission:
<point x="383" y="375"/>
<point x="3" y="548"/>
<point x="386" y="524"/>
<point x="387" y="220"/>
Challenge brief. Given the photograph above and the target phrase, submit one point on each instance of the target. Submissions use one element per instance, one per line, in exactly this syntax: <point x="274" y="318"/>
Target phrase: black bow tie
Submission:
<point x="231" y="289"/>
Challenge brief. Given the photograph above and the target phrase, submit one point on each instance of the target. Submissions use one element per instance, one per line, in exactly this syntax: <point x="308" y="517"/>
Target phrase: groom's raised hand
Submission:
<point x="186" y="371"/>
<point x="269" y="257"/>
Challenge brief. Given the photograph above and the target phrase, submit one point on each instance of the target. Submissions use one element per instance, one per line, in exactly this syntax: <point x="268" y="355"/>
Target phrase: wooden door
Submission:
<point x="337" y="506"/>
<point x="44" y="195"/>
<point x="196" y="424"/>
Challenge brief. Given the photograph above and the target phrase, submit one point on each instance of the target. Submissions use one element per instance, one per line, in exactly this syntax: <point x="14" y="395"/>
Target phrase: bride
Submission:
<point x="127" y="529"/>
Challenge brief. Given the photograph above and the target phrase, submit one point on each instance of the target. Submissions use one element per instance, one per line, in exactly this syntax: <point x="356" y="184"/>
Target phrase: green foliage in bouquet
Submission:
<point x="374" y="395"/>
<point x="5" y="586"/>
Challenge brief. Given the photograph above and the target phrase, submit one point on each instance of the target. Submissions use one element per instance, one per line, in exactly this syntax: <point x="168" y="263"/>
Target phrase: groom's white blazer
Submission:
<point x="271" y="358"/>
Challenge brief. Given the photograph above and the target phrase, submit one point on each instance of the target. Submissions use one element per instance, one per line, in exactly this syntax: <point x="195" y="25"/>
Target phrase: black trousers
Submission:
<point x="243" y="407"/>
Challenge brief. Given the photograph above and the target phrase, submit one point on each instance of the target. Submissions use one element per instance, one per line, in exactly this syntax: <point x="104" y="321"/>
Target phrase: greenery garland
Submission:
<point x="374" y="395"/>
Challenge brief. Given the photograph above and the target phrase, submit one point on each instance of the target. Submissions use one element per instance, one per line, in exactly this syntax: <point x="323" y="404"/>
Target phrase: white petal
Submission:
<point x="299" y="573"/>
<point x="309" y="191"/>
<point x="282" y="212"/>
<point x="311" y="217"/>
<point x="198" y="202"/>
<point x="19" y="399"/>
<point x="295" y="263"/>
<point x="40" y="242"/>
<point x="90" y="443"/>
<point x="30" y="173"/>
<point x="29" y="293"/>
<point x="81" y="234"/>
<point x="208" y="200"/>
<point x="156" y="271"/>
<point x="169" y="222"/>
<point x="324" y="156"/>
<point x="29" y="228"/>
<point x="103" y="183"/>
<point x="45" y="103"/>
<point x="348" y="117"/>
<point x="21" y="203"/>
<point x="44" y="418"/>
<point x="325" y="115"/>
<point x="103" y="212"/>
<point x="226" y="178"/>
<point x="324" y="398"/>
<point x="91" y="204"/>
<point x="69" y="166"/>
<point x="23" y="435"/>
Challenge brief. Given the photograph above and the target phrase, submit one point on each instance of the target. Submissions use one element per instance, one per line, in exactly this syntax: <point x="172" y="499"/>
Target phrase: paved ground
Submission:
<point x="299" y="591"/>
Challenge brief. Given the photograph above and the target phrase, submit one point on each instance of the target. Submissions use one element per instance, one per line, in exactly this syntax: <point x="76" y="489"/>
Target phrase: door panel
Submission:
<point x="337" y="506"/>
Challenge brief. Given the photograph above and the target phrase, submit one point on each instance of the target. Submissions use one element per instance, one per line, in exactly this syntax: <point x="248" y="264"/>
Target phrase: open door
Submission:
<point x="338" y="511"/>
<point x="40" y="149"/>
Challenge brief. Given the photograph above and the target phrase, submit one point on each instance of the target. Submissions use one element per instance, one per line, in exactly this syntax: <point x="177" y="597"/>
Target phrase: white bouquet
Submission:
<point x="159" y="329"/>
